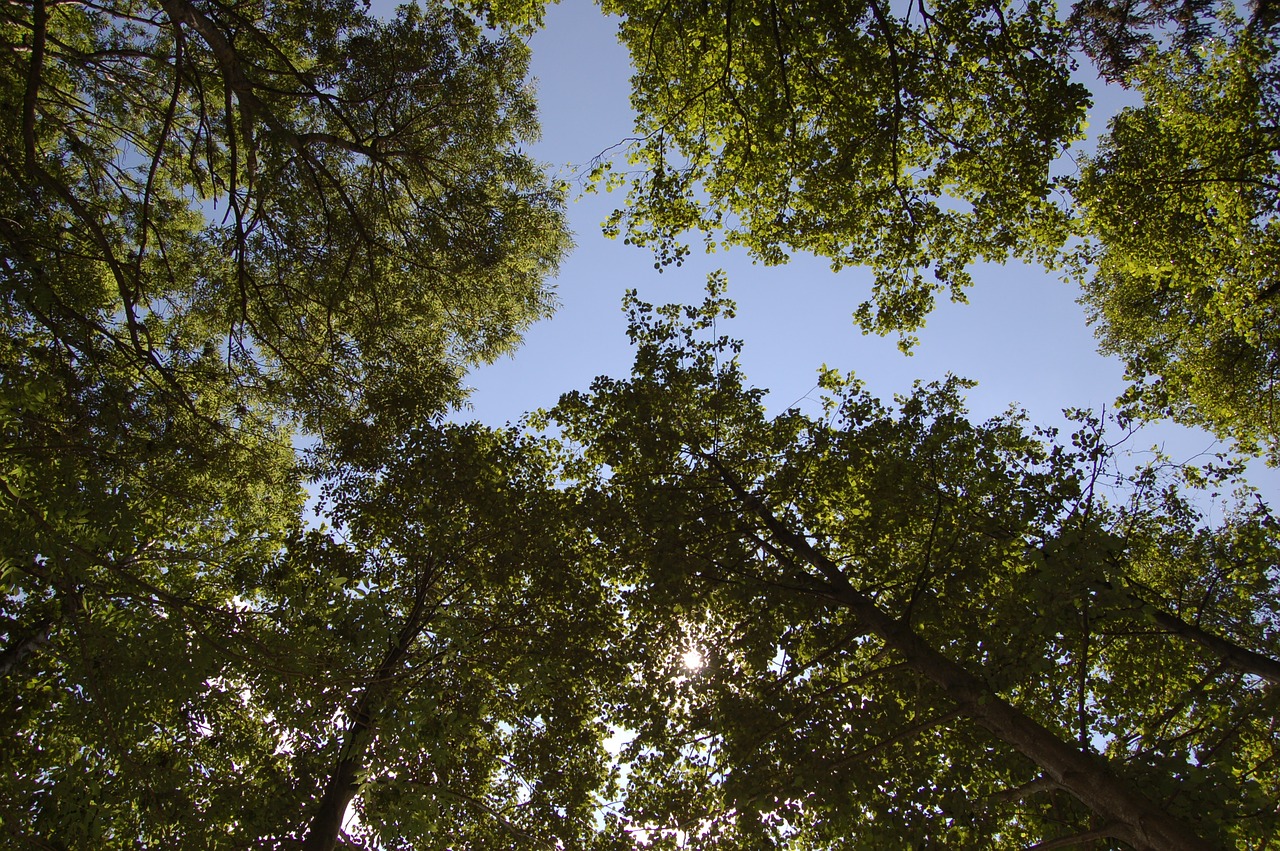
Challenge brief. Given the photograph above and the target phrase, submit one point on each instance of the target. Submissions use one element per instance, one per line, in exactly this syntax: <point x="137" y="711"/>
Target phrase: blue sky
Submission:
<point x="1022" y="336"/>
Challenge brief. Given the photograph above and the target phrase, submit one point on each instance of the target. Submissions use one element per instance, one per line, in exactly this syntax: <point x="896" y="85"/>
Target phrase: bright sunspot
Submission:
<point x="692" y="659"/>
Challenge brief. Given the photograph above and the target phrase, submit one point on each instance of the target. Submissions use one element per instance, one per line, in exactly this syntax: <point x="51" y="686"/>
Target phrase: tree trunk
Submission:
<point x="344" y="783"/>
<point x="1126" y="814"/>
<point x="345" y="777"/>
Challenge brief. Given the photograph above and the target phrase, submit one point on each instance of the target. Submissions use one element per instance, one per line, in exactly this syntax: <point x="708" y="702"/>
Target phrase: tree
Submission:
<point x="479" y="594"/>
<point x="1180" y="278"/>
<point x="435" y="665"/>
<point x="1117" y="36"/>
<point x="908" y="140"/>
<point x="128" y="524"/>
<point x="917" y="629"/>
<point x="226" y="225"/>
<point x="932" y="137"/>
<point x="334" y="205"/>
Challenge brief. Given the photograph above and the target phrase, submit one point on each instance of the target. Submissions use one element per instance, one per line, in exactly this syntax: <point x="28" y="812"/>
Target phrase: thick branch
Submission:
<point x="1233" y="655"/>
<point x="40" y="20"/>
<point x="1241" y="658"/>
<point x="185" y="12"/>
<point x="1131" y="816"/>
<point x="1021" y="793"/>
<point x="345" y="779"/>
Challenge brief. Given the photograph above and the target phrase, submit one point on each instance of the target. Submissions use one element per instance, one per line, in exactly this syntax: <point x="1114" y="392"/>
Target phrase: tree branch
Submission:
<point x="40" y="20"/>
<point x="1021" y="793"/>
<point x="1071" y="841"/>
<point x="1240" y="658"/>
<point x="1132" y="817"/>
<point x="345" y="778"/>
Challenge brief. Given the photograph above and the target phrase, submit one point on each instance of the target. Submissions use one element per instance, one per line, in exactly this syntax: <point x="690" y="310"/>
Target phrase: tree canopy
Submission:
<point x="228" y="227"/>
<point x="259" y="593"/>
<point x="912" y="142"/>
<point x="332" y="206"/>
<point x="917" y="629"/>
<point x="1180" y="279"/>
<point x="921" y="139"/>
<point x="412" y="661"/>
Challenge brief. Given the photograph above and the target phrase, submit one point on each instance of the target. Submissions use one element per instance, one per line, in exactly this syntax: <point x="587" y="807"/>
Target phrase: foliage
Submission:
<point x="486" y="731"/>
<point x="1116" y="35"/>
<point x="224" y="225"/>
<point x="908" y="142"/>
<point x="413" y="662"/>
<point x="912" y="622"/>
<point x="229" y="226"/>
<point x="919" y="141"/>
<point x="128" y="530"/>
<point x="1180" y="280"/>
<point x="333" y="205"/>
